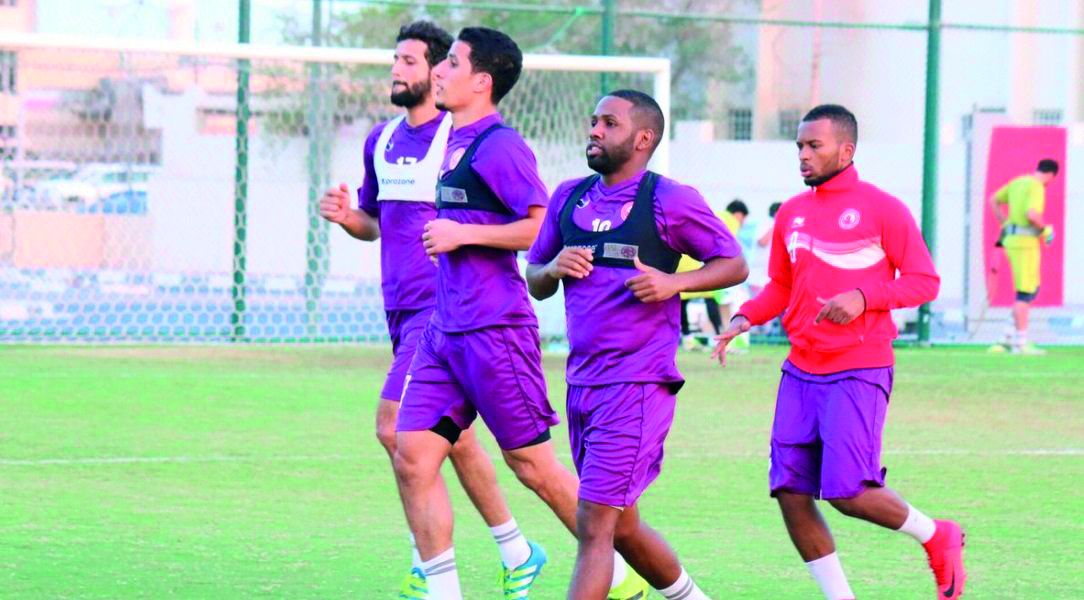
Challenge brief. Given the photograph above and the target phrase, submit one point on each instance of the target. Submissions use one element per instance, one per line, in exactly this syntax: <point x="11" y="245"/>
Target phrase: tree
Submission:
<point x="710" y="70"/>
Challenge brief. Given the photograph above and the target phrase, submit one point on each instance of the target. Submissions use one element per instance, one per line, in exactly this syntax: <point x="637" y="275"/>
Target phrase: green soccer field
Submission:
<point x="242" y="472"/>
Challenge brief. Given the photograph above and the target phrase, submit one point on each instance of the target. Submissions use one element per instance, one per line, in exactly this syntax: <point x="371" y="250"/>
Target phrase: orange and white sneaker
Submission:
<point x="946" y="553"/>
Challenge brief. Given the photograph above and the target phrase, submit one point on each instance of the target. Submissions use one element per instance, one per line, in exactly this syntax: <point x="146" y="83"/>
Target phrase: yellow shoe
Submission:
<point x="633" y="587"/>
<point x="516" y="583"/>
<point x="998" y="349"/>
<point x="1029" y="349"/>
<point x="414" y="587"/>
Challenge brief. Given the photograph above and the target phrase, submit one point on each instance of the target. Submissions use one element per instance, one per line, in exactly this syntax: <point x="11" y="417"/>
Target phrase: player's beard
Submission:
<point x="608" y="161"/>
<point x="414" y="95"/>
<point x="823" y="179"/>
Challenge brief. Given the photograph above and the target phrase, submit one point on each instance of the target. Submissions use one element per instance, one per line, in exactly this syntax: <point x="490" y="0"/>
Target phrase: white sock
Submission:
<point x="1021" y="338"/>
<point x="621" y="570"/>
<point x="442" y="576"/>
<point x="683" y="589"/>
<point x="511" y="544"/>
<point x="829" y="575"/>
<point x="415" y="558"/>
<point x="918" y="525"/>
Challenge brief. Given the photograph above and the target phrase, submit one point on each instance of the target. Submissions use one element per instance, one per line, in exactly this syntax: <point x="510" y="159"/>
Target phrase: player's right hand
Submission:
<point x="572" y="262"/>
<point x="335" y="205"/>
<point x="1047" y="235"/>
<point x="738" y="325"/>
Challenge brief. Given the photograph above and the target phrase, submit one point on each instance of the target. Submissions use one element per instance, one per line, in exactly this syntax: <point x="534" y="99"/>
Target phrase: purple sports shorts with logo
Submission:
<point x="405" y="328"/>
<point x="826" y="438"/>
<point x="616" y="432"/>
<point x="495" y="372"/>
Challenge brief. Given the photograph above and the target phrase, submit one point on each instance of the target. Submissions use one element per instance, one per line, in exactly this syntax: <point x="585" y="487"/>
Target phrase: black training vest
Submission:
<point x="637" y="236"/>
<point x="464" y="188"/>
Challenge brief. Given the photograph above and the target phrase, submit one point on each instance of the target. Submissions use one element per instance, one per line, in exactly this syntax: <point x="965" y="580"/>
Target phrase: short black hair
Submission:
<point x="436" y="40"/>
<point x="737" y="206"/>
<point x="648" y="112"/>
<point x="843" y="119"/>
<point x="1048" y="165"/>
<point x="774" y="208"/>
<point x="493" y="52"/>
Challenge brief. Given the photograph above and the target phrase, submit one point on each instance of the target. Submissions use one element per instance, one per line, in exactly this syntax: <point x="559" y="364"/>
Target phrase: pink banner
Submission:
<point x="1016" y="151"/>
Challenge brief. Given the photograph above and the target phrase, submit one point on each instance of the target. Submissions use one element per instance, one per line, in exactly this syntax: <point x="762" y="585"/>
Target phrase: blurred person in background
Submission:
<point x="1023" y="229"/>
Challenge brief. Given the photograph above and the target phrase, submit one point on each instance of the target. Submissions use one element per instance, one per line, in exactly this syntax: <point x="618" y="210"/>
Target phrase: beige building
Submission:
<point x="1036" y="78"/>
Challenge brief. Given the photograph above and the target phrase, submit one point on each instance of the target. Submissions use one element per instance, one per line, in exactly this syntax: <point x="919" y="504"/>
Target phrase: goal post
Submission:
<point x="117" y="165"/>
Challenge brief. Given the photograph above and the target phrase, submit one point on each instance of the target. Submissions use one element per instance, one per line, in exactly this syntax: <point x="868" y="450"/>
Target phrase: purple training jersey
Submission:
<point x="599" y="308"/>
<point x="408" y="277"/>
<point x="474" y="290"/>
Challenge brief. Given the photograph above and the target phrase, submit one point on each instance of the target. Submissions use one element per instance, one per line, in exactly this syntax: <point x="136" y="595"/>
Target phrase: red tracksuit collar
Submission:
<point x="843" y="181"/>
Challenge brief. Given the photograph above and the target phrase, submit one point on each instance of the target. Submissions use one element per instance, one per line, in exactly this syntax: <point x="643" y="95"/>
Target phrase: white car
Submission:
<point x="7" y="187"/>
<point x="94" y="182"/>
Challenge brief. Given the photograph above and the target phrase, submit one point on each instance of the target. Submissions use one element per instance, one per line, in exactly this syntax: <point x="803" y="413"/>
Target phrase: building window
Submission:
<point x="7" y="143"/>
<point x="788" y="123"/>
<point x="739" y="124"/>
<point x="7" y="70"/>
<point x="1046" y="116"/>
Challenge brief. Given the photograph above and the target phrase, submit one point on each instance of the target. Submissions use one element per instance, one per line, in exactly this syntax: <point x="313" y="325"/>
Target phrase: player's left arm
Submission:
<point x="510" y="169"/>
<point x="690" y="227"/>
<point x="445" y="235"/>
<point x="906" y="250"/>
<point x="1036" y="206"/>
<point x="653" y="285"/>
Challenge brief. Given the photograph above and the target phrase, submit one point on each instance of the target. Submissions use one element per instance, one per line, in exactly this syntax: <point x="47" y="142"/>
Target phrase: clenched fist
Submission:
<point x="335" y="205"/>
<point x="571" y="262"/>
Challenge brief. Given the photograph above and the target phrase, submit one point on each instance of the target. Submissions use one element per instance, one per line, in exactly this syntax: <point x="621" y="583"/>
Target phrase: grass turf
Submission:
<point x="247" y="472"/>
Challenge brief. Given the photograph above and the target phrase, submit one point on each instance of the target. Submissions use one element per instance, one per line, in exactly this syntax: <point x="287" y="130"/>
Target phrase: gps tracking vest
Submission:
<point x="409" y="182"/>
<point x="636" y="236"/>
<point x="463" y="188"/>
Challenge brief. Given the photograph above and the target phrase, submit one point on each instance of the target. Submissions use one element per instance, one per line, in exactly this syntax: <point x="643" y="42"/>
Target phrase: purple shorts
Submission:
<point x="495" y="372"/>
<point x="826" y="439"/>
<point x="616" y="432"/>
<point x="405" y="328"/>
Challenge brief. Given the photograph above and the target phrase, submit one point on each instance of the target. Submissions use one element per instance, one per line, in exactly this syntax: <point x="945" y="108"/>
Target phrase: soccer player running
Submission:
<point x="835" y="252"/>
<point x="614" y="240"/>
<point x="480" y="353"/>
<point x="1021" y="231"/>
<point x="396" y="200"/>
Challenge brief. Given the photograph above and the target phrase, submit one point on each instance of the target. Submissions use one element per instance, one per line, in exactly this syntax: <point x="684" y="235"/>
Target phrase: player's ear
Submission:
<point x="483" y="82"/>
<point x="645" y="139"/>
<point x="846" y="152"/>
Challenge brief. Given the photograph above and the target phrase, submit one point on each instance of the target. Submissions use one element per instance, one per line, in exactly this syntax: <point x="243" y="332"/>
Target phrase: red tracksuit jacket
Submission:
<point x="843" y="235"/>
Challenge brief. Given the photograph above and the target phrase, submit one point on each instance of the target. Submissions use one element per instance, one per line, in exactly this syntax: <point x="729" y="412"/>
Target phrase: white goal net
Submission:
<point x="134" y="208"/>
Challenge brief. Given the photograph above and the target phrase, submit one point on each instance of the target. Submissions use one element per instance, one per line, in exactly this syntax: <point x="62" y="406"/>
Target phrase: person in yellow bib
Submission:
<point x="711" y="306"/>
<point x="1022" y="231"/>
<point x="718" y="305"/>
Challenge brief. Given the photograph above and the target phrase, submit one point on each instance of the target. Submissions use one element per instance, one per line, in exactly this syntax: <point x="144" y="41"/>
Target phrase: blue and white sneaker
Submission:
<point x="517" y="582"/>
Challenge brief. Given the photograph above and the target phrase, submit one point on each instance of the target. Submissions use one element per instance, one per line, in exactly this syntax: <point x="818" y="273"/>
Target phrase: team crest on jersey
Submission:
<point x="453" y="195"/>
<point x="457" y="155"/>
<point x="798" y="222"/>
<point x="849" y="219"/>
